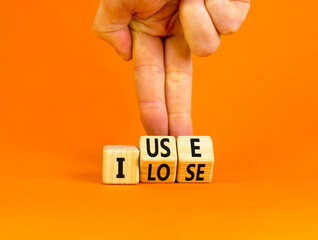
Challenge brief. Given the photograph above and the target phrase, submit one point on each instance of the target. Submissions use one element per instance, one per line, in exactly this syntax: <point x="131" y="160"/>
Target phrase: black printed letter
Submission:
<point x="167" y="174"/>
<point x="193" y="147"/>
<point x="148" y="148"/>
<point x="120" y="168"/>
<point x="162" y="144"/>
<point x="200" y="172"/>
<point x="190" y="172"/>
<point x="149" y="173"/>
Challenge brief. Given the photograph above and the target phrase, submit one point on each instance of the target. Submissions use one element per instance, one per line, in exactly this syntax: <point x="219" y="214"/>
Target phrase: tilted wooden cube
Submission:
<point x="195" y="159"/>
<point x="120" y="164"/>
<point x="158" y="159"/>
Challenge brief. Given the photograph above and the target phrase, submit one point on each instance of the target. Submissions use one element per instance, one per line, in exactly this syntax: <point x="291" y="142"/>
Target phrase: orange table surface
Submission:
<point x="64" y="94"/>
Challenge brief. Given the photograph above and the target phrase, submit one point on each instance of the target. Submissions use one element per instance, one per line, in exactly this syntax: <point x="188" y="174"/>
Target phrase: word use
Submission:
<point x="159" y="159"/>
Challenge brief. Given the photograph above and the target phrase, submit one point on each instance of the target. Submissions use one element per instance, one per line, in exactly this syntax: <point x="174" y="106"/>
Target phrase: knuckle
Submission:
<point x="178" y="76"/>
<point x="149" y="70"/>
<point x="152" y="104"/>
<point x="99" y="30"/>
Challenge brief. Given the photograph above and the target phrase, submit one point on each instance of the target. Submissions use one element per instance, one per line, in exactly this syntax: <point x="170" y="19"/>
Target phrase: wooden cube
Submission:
<point x="158" y="159"/>
<point x="120" y="164"/>
<point x="195" y="159"/>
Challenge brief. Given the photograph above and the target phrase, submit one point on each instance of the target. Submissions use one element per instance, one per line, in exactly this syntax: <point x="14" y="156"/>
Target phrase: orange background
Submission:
<point x="64" y="94"/>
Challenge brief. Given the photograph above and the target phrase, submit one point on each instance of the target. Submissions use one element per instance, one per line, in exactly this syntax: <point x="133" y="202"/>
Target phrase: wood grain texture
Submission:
<point x="130" y="164"/>
<point x="161" y="159"/>
<point x="195" y="159"/>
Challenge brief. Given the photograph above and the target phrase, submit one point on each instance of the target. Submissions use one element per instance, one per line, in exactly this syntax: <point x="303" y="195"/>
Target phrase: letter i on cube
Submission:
<point x="120" y="164"/>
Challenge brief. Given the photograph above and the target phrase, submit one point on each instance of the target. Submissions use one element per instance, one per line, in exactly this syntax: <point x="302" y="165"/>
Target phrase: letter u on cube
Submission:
<point x="160" y="159"/>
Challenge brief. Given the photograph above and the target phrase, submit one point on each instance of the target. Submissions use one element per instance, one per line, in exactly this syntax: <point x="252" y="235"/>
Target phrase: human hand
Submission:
<point x="159" y="36"/>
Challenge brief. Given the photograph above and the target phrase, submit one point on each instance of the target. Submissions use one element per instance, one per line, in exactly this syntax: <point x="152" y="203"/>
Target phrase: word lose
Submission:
<point x="159" y="160"/>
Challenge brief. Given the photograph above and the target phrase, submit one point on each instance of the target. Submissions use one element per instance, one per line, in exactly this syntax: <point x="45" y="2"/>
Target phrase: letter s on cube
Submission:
<point x="195" y="159"/>
<point x="158" y="159"/>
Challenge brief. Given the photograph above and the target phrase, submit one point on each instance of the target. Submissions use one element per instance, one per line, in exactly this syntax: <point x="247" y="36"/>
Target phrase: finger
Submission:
<point x="178" y="68"/>
<point x="199" y="31"/>
<point x="111" y="24"/>
<point x="227" y="15"/>
<point x="149" y="80"/>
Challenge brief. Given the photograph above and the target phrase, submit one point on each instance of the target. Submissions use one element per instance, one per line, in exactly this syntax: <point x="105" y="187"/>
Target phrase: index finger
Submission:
<point x="149" y="81"/>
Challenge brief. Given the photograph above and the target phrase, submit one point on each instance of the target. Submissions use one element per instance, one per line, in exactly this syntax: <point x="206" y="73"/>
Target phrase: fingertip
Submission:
<point x="180" y="125"/>
<point x="154" y="119"/>
<point x="198" y="27"/>
<point x="205" y="48"/>
<point x="125" y="56"/>
<point x="228" y="16"/>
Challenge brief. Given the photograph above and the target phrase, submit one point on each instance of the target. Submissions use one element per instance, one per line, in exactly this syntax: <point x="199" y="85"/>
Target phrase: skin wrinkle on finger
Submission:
<point x="159" y="24"/>
<point x="238" y="3"/>
<point x="153" y="68"/>
<point x="187" y="74"/>
<point x="203" y="39"/>
<point x="179" y="93"/>
<point x="144" y="9"/>
<point x="227" y="16"/>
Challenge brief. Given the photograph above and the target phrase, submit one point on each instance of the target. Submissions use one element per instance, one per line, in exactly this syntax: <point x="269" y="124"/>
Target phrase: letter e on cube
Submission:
<point x="195" y="159"/>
